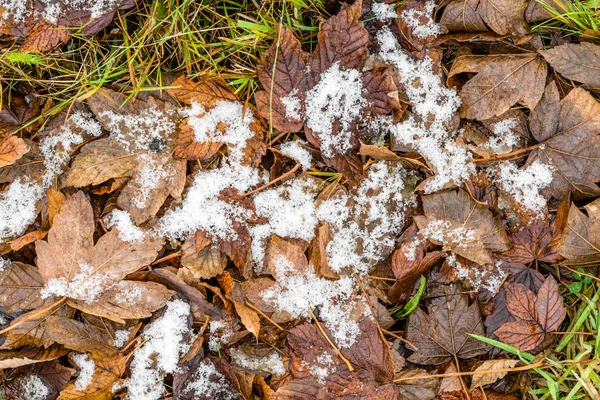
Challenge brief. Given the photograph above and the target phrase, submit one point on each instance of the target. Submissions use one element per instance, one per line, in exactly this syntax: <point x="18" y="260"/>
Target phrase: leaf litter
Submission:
<point x="192" y="244"/>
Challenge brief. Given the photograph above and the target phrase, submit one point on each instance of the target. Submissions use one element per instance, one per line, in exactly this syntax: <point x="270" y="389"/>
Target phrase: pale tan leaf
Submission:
<point x="80" y="337"/>
<point x="20" y="286"/>
<point x="30" y="355"/>
<point x="493" y="376"/>
<point x="11" y="149"/>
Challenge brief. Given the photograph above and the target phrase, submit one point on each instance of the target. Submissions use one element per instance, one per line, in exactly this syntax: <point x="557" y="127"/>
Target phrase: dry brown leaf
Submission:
<point x="442" y="334"/>
<point x="20" y="286"/>
<point x="502" y="81"/>
<point x="11" y="149"/>
<point x="462" y="15"/>
<point x="30" y="355"/>
<point x="570" y="142"/>
<point x="580" y="241"/>
<point x="107" y="373"/>
<point x="51" y="374"/>
<point x="206" y="91"/>
<point x="205" y="262"/>
<point x="505" y="16"/>
<point x="491" y="377"/>
<point x="536" y="315"/>
<point x="45" y="36"/>
<point x="576" y="61"/>
<point x="33" y="331"/>
<point x="26" y="239"/>
<point x="248" y="316"/>
<point x="80" y="337"/>
<point x="459" y="211"/>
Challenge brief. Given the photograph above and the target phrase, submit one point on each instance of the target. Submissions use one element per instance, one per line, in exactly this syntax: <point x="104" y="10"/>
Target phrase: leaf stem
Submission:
<point x="266" y="185"/>
<point x="339" y="353"/>
<point x="34" y="315"/>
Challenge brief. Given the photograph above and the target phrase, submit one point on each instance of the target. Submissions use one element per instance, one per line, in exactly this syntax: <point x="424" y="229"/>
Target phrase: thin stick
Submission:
<point x="34" y="315"/>
<point x="413" y="347"/>
<point x="339" y="353"/>
<point x="370" y="308"/>
<point x="489" y="371"/>
<point x="265" y="316"/>
<point x="507" y="155"/>
<point x="167" y="257"/>
<point x="266" y="185"/>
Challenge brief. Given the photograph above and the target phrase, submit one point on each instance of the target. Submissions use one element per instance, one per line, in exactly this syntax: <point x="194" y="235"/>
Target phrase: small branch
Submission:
<point x="290" y="172"/>
<point x="489" y="371"/>
<point x="339" y="353"/>
<point x="167" y="257"/>
<point x="265" y="316"/>
<point x="507" y="155"/>
<point x="34" y="315"/>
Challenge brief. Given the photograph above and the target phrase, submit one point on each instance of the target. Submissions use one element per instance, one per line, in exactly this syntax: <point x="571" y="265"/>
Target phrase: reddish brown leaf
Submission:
<point x="45" y="36"/>
<point x="579" y="242"/>
<point x="51" y="375"/>
<point x="11" y="149"/>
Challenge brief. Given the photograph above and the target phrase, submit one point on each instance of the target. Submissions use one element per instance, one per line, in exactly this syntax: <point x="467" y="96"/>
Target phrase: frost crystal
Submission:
<point x="322" y="368"/>
<point x="86" y="285"/>
<point x="209" y="383"/>
<point x="504" y="137"/>
<point x="33" y="388"/>
<point x="220" y="333"/>
<point x="383" y="12"/>
<point x="420" y="21"/>
<point x="121" y="337"/>
<point x="297" y="152"/>
<point x="427" y="131"/>
<point x="292" y="105"/>
<point x="127" y="229"/>
<point x="165" y="343"/>
<point x="297" y="292"/>
<point x="524" y="184"/>
<point x="365" y="225"/>
<point x="290" y="212"/>
<point x="87" y="367"/>
<point x="337" y="98"/>
<point x="271" y="363"/>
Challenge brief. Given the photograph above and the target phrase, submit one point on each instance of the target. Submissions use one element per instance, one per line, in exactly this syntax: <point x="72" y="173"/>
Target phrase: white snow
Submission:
<point x="383" y="12"/>
<point x="427" y="130"/>
<point x="87" y="367"/>
<point x="292" y="105"/>
<point x="479" y="278"/>
<point x="33" y="389"/>
<point x="87" y="284"/>
<point x="441" y="231"/>
<point x="127" y="229"/>
<point x="295" y="150"/>
<point x="323" y="367"/>
<point x="524" y="184"/>
<point x="336" y="98"/>
<point x="298" y="291"/>
<point x="209" y="383"/>
<point x="504" y="136"/>
<point x="165" y="343"/>
<point x="220" y="331"/>
<point x="121" y="337"/>
<point x="421" y="22"/>
<point x="364" y="226"/>
<point x="271" y="363"/>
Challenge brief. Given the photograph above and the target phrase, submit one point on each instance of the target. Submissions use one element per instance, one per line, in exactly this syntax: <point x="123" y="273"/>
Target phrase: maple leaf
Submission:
<point x="568" y="132"/>
<point x="501" y="16"/>
<point x="443" y="334"/>
<point x="534" y="242"/>
<point x="536" y="315"/>
<point x="107" y="373"/>
<point x="90" y="275"/>
<point x="501" y="81"/>
<point x="579" y="62"/>
<point x="140" y="147"/>
<point x="453" y="219"/>
<point x="20" y="286"/>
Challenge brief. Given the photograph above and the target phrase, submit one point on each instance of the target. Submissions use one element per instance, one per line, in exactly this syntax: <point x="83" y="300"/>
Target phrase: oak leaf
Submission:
<point x="536" y="315"/>
<point x="501" y="81"/>
<point x="443" y="333"/>
<point x="464" y="226"/>
<point x="576" y="61"/>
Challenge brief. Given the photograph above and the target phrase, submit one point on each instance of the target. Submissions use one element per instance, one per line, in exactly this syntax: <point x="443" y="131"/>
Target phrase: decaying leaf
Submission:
<point x="579" y="62"/>
<point x="11" y="149"/>
<point x="453" y="219"/>
<point x="80" y="337"/>
<point x="492" y="376"/>
<point x="579" y="243"/>
<point x="502" y="81"/>
<point x="442" y="334"/>
<point x="536" y="315"/>
<point x="24" y="380"/>
<point x="20" y="286"/>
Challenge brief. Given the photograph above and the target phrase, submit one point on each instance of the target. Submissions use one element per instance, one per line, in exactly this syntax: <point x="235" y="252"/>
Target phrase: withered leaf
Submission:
<point x="463" y="16"/>
<point x="491" y="377"/>
<point x="580" y="241"/>
<point x="206" y="262"/>
<point x="505" y="16"/>
<point x="126" y="300"/>
<point x="535" y="315"/>
<point x="408" y="271"/>
<point x="570" y="142"/>
<point x="533" y="242"/>
<point x="107" y="373"/>
<point x="103" y="265"/>
<point x="466" y="227"/>
<point x="51" y="374"/>
<point x="442" y="334"/>
<point x="502" y="81"/>
<point x="30" y="355"/>
<point x="11" y="149"/>
<point x="45" y="36"/>
<point x="206" y="91"/>
<point x="33" y="331"/>
<point x="187" y="147"/>
<point x="80" y="337"/>
<point x="20" y="286"/>
<point x="248" y="316"/>
<point x="576" y="61"/>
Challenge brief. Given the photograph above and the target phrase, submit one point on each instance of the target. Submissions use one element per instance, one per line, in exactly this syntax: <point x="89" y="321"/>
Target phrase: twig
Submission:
<point x="400" y="338"/>
<point x="167" y="257"/>
<point x="339" y="353"/>
<point x="370" y="308"/>
<point x="507" y="155"/>
<point x="266" y="185"/>
<point x="487" y="371"/>
<point x="265" y="316"/>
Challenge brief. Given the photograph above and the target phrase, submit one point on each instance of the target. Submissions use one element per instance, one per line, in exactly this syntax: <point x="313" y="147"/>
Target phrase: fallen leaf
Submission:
<point x="501" y="81"/>
<point x="492" y="376"/>
<point x="107" y="373"/>
<point x="505" y="16"/>
<point x="576" y="61"/>
<point x="20" y="286"/>
<point x="44" y="36"/>
<point x="463" y="16"/>
<point x="51" y="374"/>
<point x="30" y="355"/>
<point x="570" y="142"/>
<point x="464" y="226"/>
<point x="11" y="149"/>
<point x="80" y="337"/>
<point x="580" y="243"/>
<point x="534" y="242"/>
<point x="442" y="334"/>
<point x="536" y="315"/>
